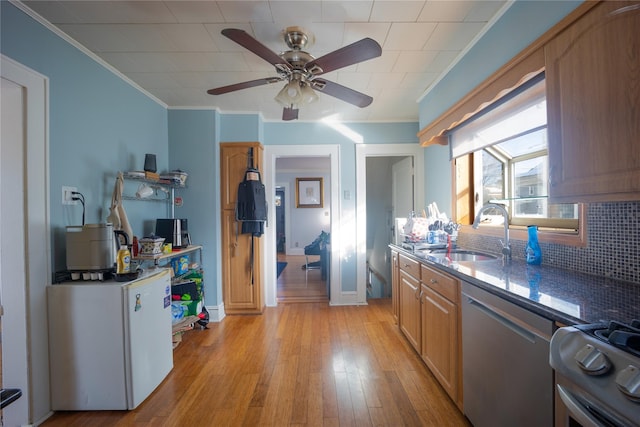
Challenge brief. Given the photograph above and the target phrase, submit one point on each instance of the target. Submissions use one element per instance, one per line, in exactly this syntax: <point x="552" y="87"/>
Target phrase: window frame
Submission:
<point x="570" y="232"/>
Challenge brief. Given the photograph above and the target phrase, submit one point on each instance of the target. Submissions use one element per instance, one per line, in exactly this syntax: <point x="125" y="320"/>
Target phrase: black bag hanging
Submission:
<point x="251" y="205"/>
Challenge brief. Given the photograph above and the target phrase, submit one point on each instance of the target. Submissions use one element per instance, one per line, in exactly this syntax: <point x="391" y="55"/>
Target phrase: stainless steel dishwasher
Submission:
<point x="507" y="380"/>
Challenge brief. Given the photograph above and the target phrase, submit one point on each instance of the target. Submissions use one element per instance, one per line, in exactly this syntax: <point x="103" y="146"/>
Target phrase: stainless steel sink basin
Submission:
<point x="461" y="255"/>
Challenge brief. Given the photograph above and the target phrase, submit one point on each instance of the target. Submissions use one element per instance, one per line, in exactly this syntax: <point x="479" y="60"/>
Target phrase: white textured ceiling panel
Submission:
<point x="175" y="50"/>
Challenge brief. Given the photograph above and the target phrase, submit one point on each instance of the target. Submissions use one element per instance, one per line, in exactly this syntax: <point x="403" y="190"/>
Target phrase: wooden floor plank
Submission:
<point x="295" y="365"/>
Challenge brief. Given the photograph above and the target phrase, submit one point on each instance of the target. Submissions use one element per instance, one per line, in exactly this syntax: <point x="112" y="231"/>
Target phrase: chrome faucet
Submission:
<point x="506" y="247"/>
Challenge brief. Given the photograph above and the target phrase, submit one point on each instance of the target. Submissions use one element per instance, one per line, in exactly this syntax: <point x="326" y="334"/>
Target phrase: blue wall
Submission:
<point x="194" y="148"/>
<point x="99" y="125"/>
<point x="518" y="27"/>
<point x="295" y="133"/>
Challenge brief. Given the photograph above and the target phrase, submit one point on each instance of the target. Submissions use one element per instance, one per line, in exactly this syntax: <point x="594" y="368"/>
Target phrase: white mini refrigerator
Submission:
<point x="110" y="342"/>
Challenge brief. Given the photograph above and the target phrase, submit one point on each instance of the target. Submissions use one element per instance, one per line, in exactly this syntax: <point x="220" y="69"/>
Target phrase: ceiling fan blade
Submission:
<point x="352" y="54"/>
<point x="248" y="42"/>
<point x="289" y="113"/>
<point x="342" y="92"/>
<point x="243" y="85"/>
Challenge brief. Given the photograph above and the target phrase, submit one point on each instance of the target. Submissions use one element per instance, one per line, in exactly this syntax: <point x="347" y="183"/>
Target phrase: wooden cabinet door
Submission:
<point x="410" y="308"/>
<point x="241" y="293"/>
<point x="233" y="164"/>
<point x="395" y="285"/>
<point x="440" y="339"/>
<point x="593" y="106"/>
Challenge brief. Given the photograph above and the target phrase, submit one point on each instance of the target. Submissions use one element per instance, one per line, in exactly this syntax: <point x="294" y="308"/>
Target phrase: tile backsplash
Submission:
<point x="613" y="244"/>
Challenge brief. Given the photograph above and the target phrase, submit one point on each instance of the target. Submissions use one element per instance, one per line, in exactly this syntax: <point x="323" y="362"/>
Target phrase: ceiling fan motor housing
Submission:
<point x="297" y="38"/>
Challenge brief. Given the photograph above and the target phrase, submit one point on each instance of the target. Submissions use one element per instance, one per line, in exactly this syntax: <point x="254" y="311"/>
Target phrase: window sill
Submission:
<point x="578" y="239"/>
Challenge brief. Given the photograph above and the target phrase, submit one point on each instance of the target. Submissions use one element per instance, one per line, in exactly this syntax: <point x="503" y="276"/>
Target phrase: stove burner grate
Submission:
<point x="621" y="335"/>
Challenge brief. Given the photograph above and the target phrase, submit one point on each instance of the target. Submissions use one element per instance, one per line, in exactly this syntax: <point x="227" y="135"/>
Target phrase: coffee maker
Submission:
<point x="174" y="231"/>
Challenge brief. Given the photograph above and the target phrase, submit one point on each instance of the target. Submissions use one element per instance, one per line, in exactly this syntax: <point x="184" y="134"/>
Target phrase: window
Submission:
<point x="507" y="143"/>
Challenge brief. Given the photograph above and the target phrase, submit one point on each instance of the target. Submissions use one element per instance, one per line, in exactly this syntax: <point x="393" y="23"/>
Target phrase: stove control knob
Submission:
<point x="628" y="381"/>
<point x="592" y="361"/>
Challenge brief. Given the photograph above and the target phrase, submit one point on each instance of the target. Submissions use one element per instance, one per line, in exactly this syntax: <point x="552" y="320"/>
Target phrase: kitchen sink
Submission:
<point x="461" y="255"/>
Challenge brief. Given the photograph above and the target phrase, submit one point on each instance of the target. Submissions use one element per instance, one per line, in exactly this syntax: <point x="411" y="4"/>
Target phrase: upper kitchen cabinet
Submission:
<point x="593" y="106"/>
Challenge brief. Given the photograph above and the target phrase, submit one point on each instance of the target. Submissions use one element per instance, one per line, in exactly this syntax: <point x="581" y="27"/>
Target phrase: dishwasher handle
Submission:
<point x="498" y="317"/>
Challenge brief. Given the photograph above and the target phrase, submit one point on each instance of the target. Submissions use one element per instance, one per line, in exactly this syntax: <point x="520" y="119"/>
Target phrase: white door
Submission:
<point x="12" y="251"/>
<point x="402" y="189"/>
<point x="25" y="252"/>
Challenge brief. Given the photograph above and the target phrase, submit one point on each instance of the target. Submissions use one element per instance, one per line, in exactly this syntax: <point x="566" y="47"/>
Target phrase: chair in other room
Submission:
<point x="314" y="248"/>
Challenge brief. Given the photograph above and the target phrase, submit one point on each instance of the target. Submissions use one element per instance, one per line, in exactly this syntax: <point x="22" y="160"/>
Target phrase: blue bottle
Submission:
<point x="533" y="253"/>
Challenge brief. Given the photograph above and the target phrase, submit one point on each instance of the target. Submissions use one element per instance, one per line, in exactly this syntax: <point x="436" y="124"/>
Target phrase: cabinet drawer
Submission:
<point x="410" y="266"/>
<point x="446" y="286"/>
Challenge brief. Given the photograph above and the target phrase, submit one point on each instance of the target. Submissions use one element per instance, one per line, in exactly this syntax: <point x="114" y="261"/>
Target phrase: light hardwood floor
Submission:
<point x="294" y="286"/>
<point x="294" y="365"/>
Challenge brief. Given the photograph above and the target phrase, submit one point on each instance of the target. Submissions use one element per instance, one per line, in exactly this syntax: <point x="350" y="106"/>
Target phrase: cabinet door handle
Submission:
<point x="433" y="281"/>
<point x="418" y="293"/>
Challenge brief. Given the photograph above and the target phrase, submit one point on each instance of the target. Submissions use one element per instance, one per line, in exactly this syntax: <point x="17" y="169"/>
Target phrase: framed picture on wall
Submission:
<point x="309" y="193"/>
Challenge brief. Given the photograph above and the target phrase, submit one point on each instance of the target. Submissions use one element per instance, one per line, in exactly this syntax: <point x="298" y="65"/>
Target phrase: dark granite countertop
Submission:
<point x="561" y="295"/>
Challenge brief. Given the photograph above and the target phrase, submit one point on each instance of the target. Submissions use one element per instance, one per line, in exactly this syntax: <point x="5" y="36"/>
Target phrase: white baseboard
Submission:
<point x="216" y="312"/>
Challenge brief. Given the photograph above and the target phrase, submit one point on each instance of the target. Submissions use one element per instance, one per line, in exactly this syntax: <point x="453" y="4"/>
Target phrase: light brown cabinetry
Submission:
<point x="429" y="313"/>
<point x="593" y="106"/>
<point x="441" y="335"/>
<point x="242" y="285"/>
<point x="395" y="283"/>
<point x="409" y="302"/>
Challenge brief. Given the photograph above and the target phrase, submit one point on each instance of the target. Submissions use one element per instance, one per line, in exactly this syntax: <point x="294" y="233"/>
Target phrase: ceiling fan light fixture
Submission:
<point x="290" y="94"/>
<point x="308" y="94"/>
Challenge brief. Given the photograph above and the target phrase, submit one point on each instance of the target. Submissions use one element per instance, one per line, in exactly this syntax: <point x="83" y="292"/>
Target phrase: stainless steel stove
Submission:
<point x="597" y="374"/>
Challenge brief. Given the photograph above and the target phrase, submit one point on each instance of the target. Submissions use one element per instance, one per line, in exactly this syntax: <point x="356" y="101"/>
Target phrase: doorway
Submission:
<point x="300" y="275"/>
<point x="412" y="151"/>
<point x="389" y="187"/>
<point x="24" y="231"/>
<point x="328" y="216"/>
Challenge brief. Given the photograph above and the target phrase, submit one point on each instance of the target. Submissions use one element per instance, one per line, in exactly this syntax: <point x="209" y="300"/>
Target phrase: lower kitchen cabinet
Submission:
<point x="440" y="341"/>
<point x="429" y="317"/>
<point x="410" y="308"/>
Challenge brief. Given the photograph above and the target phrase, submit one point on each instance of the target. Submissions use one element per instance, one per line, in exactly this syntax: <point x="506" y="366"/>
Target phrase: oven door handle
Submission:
<point x="576" y="409"/>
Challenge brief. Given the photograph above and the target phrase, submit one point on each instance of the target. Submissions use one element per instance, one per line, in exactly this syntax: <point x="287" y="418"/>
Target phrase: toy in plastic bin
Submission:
<point x="178" y="311"/>
<point x="180" y="265"/>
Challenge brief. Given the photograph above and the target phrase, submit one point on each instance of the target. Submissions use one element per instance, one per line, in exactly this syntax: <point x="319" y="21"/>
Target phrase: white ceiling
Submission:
<point x="174" y="49"/>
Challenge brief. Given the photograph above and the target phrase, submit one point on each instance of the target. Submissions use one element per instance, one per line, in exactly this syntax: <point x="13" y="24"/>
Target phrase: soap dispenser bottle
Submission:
<point x="123" y="263"/>
<point x="533" y="253"/>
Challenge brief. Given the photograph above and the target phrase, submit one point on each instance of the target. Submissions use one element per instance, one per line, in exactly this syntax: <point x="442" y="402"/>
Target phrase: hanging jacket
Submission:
<point x="251" y="207"/>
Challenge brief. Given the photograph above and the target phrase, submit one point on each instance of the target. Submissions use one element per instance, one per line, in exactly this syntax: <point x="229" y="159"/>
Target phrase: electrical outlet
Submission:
<point x="67" y="195"/>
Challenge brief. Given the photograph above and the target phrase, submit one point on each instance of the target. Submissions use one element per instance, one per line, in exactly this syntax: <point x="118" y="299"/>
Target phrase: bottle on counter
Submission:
<point x="123" y="262"/>
<point x="533" y="252"/>
<point x="135" y="247"/>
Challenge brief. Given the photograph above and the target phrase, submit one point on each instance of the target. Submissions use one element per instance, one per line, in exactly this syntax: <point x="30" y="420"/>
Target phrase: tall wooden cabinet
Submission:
<point x="593" y="106"/>
<point x="242" y="285"/>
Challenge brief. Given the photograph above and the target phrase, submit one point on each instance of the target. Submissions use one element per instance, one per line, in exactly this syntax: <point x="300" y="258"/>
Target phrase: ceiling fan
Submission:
<point x="301" y="71"/>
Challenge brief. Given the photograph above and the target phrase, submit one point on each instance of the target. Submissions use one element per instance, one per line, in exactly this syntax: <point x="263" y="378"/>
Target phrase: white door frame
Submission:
<point x="272" y="152"/>
<point x="24" y="324"/>
<point x="379" y="150"/>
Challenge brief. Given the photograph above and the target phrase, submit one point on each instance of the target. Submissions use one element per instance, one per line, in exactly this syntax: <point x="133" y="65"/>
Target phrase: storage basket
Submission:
<point x="151" y="245"/>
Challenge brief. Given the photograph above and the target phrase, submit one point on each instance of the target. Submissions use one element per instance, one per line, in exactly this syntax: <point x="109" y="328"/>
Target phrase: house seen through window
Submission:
<point x="508" y="149"/>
